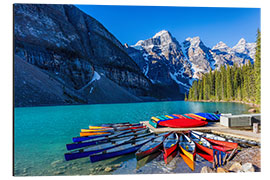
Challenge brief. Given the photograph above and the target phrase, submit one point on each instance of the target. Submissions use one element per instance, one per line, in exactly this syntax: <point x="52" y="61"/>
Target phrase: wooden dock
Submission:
<point x="215" y="128"/>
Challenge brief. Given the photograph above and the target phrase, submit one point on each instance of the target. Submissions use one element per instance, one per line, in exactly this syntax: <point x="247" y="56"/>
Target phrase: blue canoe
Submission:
<point x="120" y="124"/>
<point x="95" y="149"/>
<point x="214" y="117"/>
<point x="121" y="150"/>
<point x="102" y="140"/>
<point x="151" y="147"/>
<point x="208" y="116"/>
<point x="116" y="133"/>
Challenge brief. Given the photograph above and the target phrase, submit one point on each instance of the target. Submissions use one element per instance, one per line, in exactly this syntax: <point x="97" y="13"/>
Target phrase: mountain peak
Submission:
<point x="162" y="33"/>
<point x="240" y="47"/>
<point x="242" y="40"/>
<point x="196" y="38"/>
<point x="162" y="37"/>
<point x="221" y="46"/>
<point x="195" y="41"/>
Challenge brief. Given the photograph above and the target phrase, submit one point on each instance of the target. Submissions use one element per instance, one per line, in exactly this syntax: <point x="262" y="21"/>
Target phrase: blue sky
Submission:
<point x="132" y="23"/>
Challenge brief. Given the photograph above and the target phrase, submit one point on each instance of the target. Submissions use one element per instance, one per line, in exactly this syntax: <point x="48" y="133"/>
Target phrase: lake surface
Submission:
<point x="41" y="133"/>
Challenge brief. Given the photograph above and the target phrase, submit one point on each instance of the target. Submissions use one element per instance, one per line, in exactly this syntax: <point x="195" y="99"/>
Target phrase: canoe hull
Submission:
<point x="222" y="145"/>
<point x="170" y="146"/>
<point x="93" y="133"/>
<point x="148" y="152"/>
<point x="168" y="158"/>
<point x="188" y="161"/>
<point x="102" y="140"/>
<point x="204" y="152"/>
<point x="190" y="155"/>
<point x="105" y="155"/>
<point x="182" y="123"/>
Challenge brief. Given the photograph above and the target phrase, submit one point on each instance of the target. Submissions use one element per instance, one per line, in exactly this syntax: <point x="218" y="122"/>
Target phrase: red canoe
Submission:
<point x="222" y="145"/>
<point x="204" y="152"/>
<point x="182" y="123"/>
<point x="203" y="147"/>
<point x="170" y="145"/>
<point x="151" y="147"/>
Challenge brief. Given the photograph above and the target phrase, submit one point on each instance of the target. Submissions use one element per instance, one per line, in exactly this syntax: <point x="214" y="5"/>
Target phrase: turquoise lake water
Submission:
<point x="41" y="133"/>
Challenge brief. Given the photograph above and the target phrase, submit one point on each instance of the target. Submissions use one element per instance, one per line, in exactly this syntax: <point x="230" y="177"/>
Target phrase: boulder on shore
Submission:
<point x="248" y="167"/>
<point x="207" y="169"/>
<point x="236" y="167"/>
<point x="252" y="110"/>
<point x="221" y="170"/>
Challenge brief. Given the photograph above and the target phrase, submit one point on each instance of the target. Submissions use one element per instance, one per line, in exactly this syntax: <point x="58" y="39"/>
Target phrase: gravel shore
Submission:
<point x="247" y="155"/>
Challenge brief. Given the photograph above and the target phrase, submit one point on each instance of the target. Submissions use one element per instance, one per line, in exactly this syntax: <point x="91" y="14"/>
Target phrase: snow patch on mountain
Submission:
<point x="164" y="59"/>
<point x="95" y="77"/>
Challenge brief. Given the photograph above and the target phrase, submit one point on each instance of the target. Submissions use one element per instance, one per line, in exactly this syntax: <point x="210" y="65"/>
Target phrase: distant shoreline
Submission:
<point x="251" y="105"/>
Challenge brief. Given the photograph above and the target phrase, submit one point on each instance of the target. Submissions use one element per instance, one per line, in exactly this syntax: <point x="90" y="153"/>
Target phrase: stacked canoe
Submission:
<point x="107" y="138"/>
<point x="124" y="138"/>
<point x="183" y="120"/>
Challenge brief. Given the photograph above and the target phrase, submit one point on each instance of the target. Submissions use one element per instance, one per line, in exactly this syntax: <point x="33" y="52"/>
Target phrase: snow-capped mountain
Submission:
<point x="199" y="55"/>
<point x="162" y="60"/>
<point x="241" y="53"/>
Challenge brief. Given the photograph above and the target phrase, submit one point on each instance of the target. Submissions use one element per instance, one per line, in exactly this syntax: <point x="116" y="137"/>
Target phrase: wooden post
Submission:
<point x="220" y="158"/>
<point x="224" y="160"/>
<point x="216" y="159"/>
<point x="256" y="127"/>
<point x="214" y="164"/>
<point x="231" y="155"/>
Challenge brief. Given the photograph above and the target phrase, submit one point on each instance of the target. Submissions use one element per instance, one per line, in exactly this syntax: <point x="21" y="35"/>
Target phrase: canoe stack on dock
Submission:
<point x="183" y="120"/>
<point x="111" y="140"/>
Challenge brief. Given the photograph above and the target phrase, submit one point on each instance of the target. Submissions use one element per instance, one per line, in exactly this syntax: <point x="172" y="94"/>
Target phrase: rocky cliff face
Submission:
<point x="71" y="45"/>
<point x="162" y="61"/>
<point x="199" y="55"/>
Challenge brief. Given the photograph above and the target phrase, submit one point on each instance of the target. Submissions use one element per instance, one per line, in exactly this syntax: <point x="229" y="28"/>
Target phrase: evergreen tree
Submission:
<point x="223" y="82"/>
<point x="195" y="90"/>
<point x="190" y="93"/>
<point x="205" y="87"/>
<point x="200" y="90"/>
<point x="229" y="83"/>
<point x="218" y="88"/>
<point x="257" y="68"/>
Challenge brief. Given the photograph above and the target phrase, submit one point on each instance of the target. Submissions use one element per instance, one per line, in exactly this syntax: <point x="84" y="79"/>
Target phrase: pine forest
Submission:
<point x="231" y="83"/>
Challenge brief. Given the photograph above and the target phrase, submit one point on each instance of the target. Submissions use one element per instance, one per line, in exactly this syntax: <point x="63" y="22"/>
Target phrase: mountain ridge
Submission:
<point x="193" y="51"/>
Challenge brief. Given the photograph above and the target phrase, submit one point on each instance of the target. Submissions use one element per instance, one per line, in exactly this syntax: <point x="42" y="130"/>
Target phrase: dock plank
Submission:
<point x="215" y="128"/>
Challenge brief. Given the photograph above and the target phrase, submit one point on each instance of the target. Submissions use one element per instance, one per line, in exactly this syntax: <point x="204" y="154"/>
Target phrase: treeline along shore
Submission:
<point x="231" y="83"/>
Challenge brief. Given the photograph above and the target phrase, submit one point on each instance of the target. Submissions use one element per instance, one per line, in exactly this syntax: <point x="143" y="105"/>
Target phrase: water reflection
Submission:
<point x="147" y="159"/>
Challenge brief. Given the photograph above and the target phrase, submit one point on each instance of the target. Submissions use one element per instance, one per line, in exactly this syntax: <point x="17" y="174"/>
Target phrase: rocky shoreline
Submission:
<point x="247" y="160"/>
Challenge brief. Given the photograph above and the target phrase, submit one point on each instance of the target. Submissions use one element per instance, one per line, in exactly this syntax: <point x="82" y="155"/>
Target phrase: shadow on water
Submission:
<point x="122" y="158"/>
<point x="147" y="159"/>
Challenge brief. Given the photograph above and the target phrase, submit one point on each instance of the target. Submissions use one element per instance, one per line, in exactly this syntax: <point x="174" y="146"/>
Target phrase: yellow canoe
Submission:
<point x="94" y="130"/>
<point x="169" y="117"/>
<point x="188" y="161"/>
<point x="92" y="133"/>
<point x="98" y="127"/>
<point x="155" y="119"/>
<point x="188" y="154"/>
